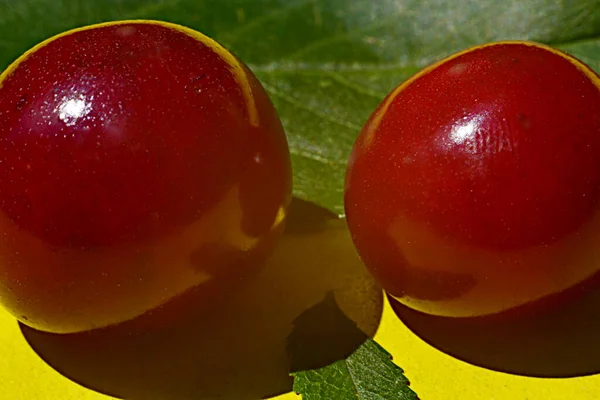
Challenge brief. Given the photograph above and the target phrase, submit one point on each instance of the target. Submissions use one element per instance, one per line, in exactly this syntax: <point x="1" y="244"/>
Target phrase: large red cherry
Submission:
<point x="474" y="187"/>
<point x="138" y="160"/>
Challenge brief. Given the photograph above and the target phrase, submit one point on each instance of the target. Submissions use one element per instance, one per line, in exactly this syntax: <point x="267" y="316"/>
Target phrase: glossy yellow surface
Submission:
<point x="253" y="330"/>
<point x="434" y="375"/>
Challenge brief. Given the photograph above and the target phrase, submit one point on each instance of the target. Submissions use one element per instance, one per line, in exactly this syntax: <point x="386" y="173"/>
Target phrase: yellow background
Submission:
<point x="308" y="263"/>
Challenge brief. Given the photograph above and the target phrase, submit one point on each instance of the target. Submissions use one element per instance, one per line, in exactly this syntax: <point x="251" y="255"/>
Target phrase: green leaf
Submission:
<point x="331" y="358"/>
<point x="326" y="63"/>
<point x="368" y="374"/>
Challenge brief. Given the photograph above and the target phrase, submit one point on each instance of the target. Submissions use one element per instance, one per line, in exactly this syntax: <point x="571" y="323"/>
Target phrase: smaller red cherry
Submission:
<point x="474" y="188"/>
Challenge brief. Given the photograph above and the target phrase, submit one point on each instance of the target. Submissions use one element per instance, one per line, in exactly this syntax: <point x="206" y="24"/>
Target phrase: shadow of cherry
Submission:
<point x="554" y="338"/>
<point x="245" y="347"/>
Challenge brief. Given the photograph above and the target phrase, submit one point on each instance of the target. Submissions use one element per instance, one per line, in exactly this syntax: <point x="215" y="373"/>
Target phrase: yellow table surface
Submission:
<point x="240" y="351"/>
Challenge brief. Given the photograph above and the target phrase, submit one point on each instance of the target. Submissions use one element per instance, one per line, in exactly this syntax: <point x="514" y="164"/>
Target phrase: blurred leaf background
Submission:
<point x="326" y="63"/>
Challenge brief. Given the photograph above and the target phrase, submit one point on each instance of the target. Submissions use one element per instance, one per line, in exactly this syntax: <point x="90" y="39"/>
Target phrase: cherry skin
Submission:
<point x="474" y="187"/>
<point x="138" y="160"/>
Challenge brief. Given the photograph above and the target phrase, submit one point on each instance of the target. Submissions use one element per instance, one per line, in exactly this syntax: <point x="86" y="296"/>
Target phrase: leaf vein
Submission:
<point x="309" y="68"/>
<point x="148" y="9"/>
<point x="341" y="36"/>
<point x="314" y="156"/>
<point x="296" y="103"/>
<point x="257" y="22"/>
<point x="356" y="86"/>
<point x="352" y="377"/>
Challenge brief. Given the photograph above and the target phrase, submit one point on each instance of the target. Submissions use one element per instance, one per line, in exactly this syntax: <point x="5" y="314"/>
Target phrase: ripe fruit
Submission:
<point x="474" y="187"/>
<point x="138" y="159"/>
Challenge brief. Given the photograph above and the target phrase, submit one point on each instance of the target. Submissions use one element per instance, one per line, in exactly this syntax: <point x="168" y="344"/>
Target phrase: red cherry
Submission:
<point x="475" y="186"/>
<point x="138" y="160"/>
